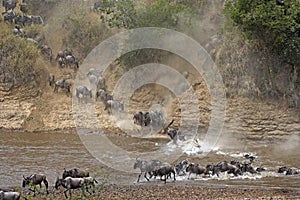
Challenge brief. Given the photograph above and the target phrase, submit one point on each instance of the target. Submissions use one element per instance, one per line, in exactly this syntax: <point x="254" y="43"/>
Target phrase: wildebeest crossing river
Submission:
<point x="49" y="153"/>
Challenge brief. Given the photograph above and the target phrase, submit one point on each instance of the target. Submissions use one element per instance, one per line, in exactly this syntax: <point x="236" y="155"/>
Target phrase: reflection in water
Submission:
<point x="49" y="153"/>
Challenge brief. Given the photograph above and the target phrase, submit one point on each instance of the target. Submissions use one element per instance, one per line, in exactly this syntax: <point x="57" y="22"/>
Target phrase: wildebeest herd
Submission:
<point x="10" y="16"/>
<point x="71" y="179"/>
<point x="154" y="168"/>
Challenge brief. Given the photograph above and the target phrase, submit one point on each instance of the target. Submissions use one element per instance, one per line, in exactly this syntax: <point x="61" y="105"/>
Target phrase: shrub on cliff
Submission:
<point x="274" y="22"/>
<point x="17" y="58"/>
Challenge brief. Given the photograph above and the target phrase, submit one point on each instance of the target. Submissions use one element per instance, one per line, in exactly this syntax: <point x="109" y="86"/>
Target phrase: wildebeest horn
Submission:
<point x="24" y="177"/>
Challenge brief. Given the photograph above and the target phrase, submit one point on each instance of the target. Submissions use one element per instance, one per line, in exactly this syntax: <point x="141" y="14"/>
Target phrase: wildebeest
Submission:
<point x="225" y="166"/>
<point x="101" y="83"/>
<point x="35" y="19"/>
<point x="9" y="16"/>
<point x="70" y="184"/>
<point x="82" y="92"/>
<point x="62" y="55"/>
<point x="9" y="195"/>
<point x="62" y="84"/>
<point x="101" y="4"/>
<point x="146" y="167"/>
<point x="104" y="96"/>
<point x="18" y="31"/>
<point x="96" y="79"/>
<point x="171" y="132"/>
<point x="193" y="168"/>
<point x="164" y="170"/>
<point x="71" y="61"/>
<point x="23" y="7"/>
<point x="141" y="118"/>
<point x="181" y="167"/>
<point x="20" y="20"/>
<point x="95" y="72"/>
<point x="260" y="169"/>
<point x="114" y="105"/>
<point x="9" y="6"/>
<point x="47" y="51"/>
<point x="35" y="179"/>
<point x="246" y="167"/>
<point x="154" y="118"/>
<point x="287" y="171"/>
<point x="51" y="80"/>
<point x="75" y="173"/>
<point x="248" y="157"/>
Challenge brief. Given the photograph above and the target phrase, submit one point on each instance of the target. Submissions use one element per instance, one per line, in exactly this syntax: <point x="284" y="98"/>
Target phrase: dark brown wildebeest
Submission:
<point x="75" y="173"/>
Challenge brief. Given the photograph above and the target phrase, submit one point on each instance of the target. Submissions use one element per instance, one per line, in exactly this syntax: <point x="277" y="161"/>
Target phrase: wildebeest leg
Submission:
<point x="150" y="175"/>
<point x="165" y="180"/>
<point x="139" y="177"/>
<point x="174" y="175"/>
<point x="65" y="192"/>
<point x="189" y="175"/>
<point x="46" y="184"/>
<point x="145" y="175"/>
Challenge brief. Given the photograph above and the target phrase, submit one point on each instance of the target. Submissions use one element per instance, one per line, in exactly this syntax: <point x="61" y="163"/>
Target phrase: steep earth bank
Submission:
<point x="249" y="114"/>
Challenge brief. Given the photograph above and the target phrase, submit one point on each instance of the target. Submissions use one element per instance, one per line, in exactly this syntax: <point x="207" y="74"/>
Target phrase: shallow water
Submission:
<point x="49" y="153"/>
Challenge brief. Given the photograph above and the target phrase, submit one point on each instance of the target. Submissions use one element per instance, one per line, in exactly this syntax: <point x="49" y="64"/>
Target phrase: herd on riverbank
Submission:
<point x="77" y="179"/>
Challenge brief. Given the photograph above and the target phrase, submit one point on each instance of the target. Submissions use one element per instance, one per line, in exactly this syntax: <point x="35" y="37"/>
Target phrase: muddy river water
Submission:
<point x="49" y="153"/>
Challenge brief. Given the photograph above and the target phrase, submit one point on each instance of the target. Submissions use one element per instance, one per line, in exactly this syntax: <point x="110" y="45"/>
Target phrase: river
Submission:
<point x="49" y="153"/>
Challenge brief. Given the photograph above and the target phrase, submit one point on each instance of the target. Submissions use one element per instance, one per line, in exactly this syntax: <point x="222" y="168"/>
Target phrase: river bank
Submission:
<point x="172" y="191"/>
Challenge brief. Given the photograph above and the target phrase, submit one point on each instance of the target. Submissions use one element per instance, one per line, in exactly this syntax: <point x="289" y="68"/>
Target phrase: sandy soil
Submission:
<point x="171" y="191"/>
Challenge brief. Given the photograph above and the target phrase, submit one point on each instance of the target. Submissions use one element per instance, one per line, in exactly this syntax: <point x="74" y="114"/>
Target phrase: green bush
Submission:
<point x="278" y="26"/>
<point x="17" y="59"/>
<point x="83" y="34"/>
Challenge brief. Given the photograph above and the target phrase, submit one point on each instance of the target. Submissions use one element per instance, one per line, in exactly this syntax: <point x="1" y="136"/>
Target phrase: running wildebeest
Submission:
<point x="62" y="84"/>
<point x="193" y="168"/>
<point x="146" y="167"/>
<point x="114" y="105"/>
<point x="181" y="167"/>
<point x="260" y="169"/>
<point x="9" y="195"/>
<point x="164" y="170"/>
<point x="225" y="166"/>
<point x="246" y="167"/>
<point x="82" y="93"/>
<point x="75" y="173"/>
<point x="287" y="171"/>
<point x="35" y="179"/>
<point x="154" y="118"/>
